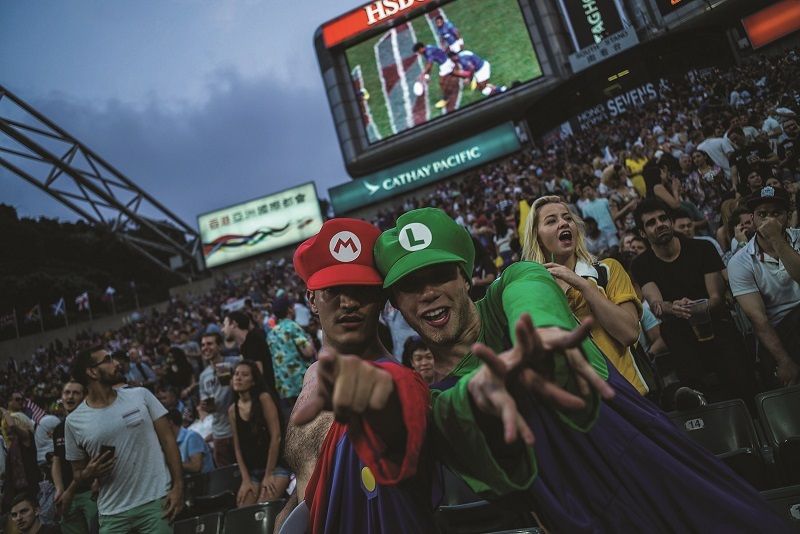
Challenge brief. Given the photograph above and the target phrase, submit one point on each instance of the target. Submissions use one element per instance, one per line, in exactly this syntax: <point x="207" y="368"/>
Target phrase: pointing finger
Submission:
<point x="492" y="361"/>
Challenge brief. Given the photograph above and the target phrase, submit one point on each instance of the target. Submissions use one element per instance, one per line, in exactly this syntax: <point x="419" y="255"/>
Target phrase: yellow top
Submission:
<point x="635" y="166"/>
<point x="619" y="289"/>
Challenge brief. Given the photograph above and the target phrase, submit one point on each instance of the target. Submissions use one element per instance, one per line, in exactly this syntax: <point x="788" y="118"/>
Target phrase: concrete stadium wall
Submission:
<point x="23" y="348"/>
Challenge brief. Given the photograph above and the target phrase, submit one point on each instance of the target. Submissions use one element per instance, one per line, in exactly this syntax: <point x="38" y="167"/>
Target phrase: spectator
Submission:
<point x="682" y="281"/>
<point x="748" y="156"/>
<point x="257" y="437"/>
<point x="73" y="499"/>
<point x="789" y="151"/>
<point x="252" y="344"/>
<point x="765" y="279"/>
<point x="555" y="239"/>
<point x="167" y="396"/>
<point x="711" y="188"/>
<point x="196" y="457"/>
<point x="139" y="373"/>
<point x="216" y="396"/>
<point x="21" y="469"/>
<point x="596" y="242"/>
<point x="292" y="354"/>
<point x="599" y="210"/>
<point x="25" y="515"/>
<point x="179" y="373"/>
<point x="122" y="437"/>
<point x="43" y="438"/>
<point x="418" y="356"/>
<point x="684" y="225"/>
<point x="398" y="329"/>
<point x="484" y="273"/>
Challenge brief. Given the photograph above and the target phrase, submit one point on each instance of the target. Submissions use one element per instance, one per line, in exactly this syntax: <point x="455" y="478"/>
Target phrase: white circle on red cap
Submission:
<point x="415" y="236"/>
<point x="345" y="246"/>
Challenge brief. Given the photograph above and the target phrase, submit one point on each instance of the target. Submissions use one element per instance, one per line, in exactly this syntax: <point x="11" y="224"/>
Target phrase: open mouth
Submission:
<point x="437" y="317"/>
<point x="565" y="236"/>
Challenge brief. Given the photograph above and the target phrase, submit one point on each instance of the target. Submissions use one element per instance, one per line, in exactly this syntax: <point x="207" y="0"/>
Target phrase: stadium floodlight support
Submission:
<point x="43" y="154"/>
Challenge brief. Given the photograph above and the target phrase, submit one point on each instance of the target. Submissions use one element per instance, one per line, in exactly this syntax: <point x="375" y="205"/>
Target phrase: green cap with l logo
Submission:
<point x="423" y="237"/>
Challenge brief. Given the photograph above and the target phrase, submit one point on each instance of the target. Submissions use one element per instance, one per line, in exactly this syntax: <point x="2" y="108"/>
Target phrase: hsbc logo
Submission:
<point x="345" y="247"/>
<point x="381" y="9"/>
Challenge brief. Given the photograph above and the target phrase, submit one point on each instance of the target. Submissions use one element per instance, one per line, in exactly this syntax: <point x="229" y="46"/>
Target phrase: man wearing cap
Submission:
<point x="765" y="279"/>
<point x="604" y="465"/>
<point x="359" y="472"/>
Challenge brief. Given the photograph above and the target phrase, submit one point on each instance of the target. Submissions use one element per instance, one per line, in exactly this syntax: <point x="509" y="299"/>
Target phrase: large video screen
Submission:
<point x="260" y="225"/>
<point x="439" y="63"/>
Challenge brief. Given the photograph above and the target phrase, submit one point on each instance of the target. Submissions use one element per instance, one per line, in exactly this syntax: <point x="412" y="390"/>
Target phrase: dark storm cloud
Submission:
<point x="250" y="138"/>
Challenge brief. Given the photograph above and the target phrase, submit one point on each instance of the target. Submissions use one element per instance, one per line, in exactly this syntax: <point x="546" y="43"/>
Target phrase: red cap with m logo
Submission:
<point x="339" y="255"/>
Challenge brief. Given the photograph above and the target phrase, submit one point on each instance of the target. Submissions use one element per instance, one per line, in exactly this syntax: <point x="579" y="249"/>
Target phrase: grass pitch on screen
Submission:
<point x="492" y="29"/>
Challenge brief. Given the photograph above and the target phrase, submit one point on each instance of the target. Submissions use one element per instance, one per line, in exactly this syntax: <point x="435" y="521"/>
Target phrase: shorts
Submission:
<point x="446" y="68"/>
<point x="484" y="73"/>
<point x="457" y="46"/>
<point x="147" y="517"/>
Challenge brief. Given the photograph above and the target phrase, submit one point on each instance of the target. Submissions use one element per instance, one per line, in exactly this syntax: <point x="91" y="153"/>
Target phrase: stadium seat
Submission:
<point x="779" y="412"/>
<point x="256" y="519"/>
<point x="205" y="524"/>
<point x="194" y="486"/>
<point x="725" y="429"/>
<point x="478" y="517"/>
<point x="785" y="501"/>
<point x="221" y="486"/>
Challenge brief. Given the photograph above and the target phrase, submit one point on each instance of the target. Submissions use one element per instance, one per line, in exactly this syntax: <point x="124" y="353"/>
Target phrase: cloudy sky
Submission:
<point x="203" y="103"/>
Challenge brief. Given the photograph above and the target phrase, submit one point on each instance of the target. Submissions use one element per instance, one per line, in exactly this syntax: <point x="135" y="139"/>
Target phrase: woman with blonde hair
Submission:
<point x="555" y="237"/>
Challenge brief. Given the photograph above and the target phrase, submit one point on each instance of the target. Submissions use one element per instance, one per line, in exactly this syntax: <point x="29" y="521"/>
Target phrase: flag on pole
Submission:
<point x="33" y="410"/>
<point x="34" y="314"/>
<point x="59" y="307"/>
<point x="82" y="301"/>
<point x="108" y="296"/>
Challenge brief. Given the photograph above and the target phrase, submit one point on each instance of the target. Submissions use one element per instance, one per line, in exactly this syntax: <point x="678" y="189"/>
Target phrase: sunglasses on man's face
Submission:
<point x="106" y="358"/>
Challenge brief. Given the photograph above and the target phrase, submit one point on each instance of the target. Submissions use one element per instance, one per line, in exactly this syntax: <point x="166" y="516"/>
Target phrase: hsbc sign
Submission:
<point x="424" y="170"/>
<point x="365" y="17"/>
<point x="382" y="9"/>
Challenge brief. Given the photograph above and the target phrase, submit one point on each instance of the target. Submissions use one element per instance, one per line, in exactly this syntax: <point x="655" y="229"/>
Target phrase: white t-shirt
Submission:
<point x="43" y="436"/>
<point x="718" y="149"/>
<point x="140" y="473"/>
<point x="752" y="271"/>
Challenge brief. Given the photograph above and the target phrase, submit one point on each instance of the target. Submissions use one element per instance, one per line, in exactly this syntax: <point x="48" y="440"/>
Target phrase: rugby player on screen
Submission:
<point x="435" y="55"/>
<point x="449" y="35"/>
<point x="470" y="65"/>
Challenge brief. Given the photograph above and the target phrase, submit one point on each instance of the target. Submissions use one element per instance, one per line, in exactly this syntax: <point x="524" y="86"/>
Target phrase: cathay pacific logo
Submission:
<point x="428" y="171"/>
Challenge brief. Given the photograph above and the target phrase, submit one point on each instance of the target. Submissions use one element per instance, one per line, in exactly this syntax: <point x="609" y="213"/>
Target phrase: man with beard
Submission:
<point x="25" y="515"/>
<point x="765" y="279"/>
<point x="632" y="470"/>
<point x="123" y="438"/>
<point x="73" y="499"/>
<point x="682" y="281"/>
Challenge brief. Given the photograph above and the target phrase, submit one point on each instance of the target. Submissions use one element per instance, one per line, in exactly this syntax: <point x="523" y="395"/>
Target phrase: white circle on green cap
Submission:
<point x="345" y="246"/>
<point x="415" y="236"/>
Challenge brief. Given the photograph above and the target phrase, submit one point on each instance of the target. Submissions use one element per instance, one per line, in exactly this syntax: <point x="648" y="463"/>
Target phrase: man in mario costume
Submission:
<point x="355" y="452"/>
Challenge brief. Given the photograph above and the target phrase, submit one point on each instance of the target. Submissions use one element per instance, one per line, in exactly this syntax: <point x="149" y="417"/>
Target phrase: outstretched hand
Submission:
<point x="530" y="363"/>
<point x="346" y="385"/>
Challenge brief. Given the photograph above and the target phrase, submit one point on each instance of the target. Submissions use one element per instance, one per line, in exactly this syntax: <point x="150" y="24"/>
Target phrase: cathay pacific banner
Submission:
<point x="425" y="170"/>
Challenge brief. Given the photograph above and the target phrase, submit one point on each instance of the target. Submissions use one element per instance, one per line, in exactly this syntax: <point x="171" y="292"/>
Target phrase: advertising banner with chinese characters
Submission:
<point x="610" y="46"/>
<point x="260" y="225"/>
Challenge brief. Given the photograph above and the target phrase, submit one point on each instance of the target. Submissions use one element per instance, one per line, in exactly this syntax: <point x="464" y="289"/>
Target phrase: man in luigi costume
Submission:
<point x="603" y="459"/>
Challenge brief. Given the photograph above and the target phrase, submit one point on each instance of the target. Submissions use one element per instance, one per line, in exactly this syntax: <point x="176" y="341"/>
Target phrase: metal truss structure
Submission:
<point x="41" y="153"/>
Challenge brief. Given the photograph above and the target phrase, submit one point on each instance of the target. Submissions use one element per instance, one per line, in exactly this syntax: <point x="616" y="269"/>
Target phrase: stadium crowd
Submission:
<point x="683" y="213"/>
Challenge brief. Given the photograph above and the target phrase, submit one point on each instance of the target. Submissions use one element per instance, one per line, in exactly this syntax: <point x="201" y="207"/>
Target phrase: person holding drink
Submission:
<point x="216" y="395"/>
<point x="681" y="279"/>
